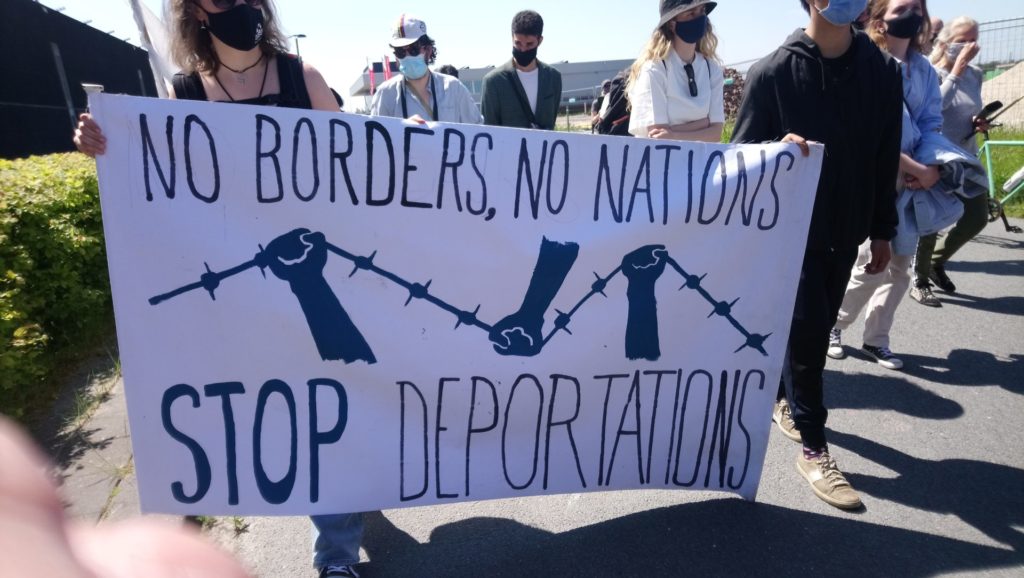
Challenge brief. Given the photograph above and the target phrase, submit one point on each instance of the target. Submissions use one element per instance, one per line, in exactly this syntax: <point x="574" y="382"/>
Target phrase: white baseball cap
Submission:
<point x="407" y="31"/>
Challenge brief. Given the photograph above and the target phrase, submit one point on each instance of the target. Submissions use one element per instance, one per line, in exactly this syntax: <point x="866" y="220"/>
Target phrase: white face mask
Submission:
<point x="954" y="49"/>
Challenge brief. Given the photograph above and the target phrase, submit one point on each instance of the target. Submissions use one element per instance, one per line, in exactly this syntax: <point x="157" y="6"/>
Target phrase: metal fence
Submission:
<point x="1002" y="60"/>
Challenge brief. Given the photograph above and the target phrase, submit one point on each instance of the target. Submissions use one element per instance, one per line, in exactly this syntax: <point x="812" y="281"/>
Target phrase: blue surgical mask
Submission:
<point x="954" y="49"/>
<point x="691" y="31"/>
<point x="413" y="67"/>
<point x="843" y="12"/>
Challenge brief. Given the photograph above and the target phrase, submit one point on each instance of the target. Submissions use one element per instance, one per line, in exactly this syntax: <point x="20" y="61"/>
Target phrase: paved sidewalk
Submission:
<point x="937" y="451"/>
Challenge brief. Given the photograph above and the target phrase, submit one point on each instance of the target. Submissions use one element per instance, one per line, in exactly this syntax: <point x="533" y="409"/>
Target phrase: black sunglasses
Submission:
<point x="690" y="79"/>
<point x="228" y="4"/>
<point x="411" y="50"/>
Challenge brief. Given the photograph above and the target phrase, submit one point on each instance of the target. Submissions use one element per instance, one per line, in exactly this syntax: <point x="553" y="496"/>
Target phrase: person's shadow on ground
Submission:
<point x="963" y="368"/>
<point x="1005" y="305"/>
<point x="723" y="537"/>
<point x="867" y="391"/>
<point x="966" y="367"/>
<point x="1012" y="305"/>
<point x="985" y="495"/>
<point x="1009" y="268"/>
<point x="1015" y="243"/>
<point x="1003" y="242"/>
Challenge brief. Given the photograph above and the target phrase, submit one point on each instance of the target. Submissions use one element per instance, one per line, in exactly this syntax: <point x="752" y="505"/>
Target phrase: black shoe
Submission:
<point x="941" y="280"/>
<point x="922" y="293"/>
<point x="884" y="357"/>
<point x="338" y="572"/>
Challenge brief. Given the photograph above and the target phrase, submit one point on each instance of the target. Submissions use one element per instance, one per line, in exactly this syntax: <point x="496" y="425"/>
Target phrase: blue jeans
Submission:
<point x="336" y="539"/>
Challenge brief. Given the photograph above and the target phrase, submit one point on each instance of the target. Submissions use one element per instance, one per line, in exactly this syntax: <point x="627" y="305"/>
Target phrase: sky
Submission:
<point x="342" y="34"/>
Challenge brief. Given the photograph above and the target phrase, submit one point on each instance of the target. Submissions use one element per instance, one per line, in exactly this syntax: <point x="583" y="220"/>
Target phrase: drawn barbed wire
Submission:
<point x="299" y="257"/>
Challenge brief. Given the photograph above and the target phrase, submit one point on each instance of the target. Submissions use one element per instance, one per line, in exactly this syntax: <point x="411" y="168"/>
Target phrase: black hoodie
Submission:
<point x="854" y="105"/>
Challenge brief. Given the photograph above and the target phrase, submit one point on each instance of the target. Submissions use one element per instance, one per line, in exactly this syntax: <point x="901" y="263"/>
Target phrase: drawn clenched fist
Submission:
<point x="642" y="269"/>
<point x="296" y="255"/>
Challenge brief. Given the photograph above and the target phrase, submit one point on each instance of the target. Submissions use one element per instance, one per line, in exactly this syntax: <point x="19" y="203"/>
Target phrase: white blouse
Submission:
<point x="661" y="94"/>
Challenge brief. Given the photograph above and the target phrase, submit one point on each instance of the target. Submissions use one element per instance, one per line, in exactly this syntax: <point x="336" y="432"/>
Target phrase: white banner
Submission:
<point x="323" y="313"/>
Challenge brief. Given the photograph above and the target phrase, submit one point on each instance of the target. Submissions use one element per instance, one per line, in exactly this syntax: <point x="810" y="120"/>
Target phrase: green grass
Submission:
<point x="205" y="522"/>
<point x="1005" y="162"/>
<point x="115" y="362"/>
<point x="239" y="525"/>
<point x="730" y="124"/>
<point x="82" y="406"/>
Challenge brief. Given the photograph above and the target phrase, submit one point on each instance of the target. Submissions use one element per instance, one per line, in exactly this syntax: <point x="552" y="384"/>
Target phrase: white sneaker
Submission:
<point x="835" y="344"/>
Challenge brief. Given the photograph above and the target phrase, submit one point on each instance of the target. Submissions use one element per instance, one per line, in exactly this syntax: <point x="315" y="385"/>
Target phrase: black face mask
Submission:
<point x="240" y="28"/>
<point x="524" y="57"/>
<point x="905" y="26"/>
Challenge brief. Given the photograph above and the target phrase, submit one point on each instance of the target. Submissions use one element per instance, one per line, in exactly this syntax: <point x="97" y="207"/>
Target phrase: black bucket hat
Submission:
<point x="672" y="8"/>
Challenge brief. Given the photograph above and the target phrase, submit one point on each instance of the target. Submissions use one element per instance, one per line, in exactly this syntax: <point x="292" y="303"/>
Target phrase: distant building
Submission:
<point x="48" y="57"/>
<point x="581" y="81"/>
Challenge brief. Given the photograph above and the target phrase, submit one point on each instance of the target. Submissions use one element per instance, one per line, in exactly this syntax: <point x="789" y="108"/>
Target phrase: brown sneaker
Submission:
<point x="783" y="417"/>
<point x="922" y="293"/>
<point x="827" y="481"/>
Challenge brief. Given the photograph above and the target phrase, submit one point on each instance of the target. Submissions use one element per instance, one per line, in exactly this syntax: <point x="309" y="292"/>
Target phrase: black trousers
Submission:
<point x="819" y="296"/>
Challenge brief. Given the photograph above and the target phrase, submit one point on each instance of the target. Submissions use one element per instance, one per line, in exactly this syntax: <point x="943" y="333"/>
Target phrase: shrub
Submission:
<point x="54" y="289"/>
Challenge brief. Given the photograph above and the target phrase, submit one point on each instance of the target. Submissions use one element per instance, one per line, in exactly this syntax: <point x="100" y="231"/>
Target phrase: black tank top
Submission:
<point x="289" y="72"/>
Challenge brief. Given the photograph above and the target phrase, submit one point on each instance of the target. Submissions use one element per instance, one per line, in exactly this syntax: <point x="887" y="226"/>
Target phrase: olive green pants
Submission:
<point x="938" y="248"/>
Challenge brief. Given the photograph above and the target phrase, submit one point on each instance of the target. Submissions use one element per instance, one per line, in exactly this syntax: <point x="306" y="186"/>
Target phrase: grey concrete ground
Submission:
<point x="937" y="451"/>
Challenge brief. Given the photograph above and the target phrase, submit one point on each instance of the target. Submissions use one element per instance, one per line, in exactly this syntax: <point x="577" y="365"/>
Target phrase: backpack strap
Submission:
<point x="294" y="93"/>
<point x="188" y="87"/>
<point x="520" y="92"/>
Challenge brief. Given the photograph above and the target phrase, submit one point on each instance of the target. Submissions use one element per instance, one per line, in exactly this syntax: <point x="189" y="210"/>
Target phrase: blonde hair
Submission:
<point x="876" y="16"/>
<point x="957" y="25"/>
<point x="660" y="44"/>
<point x="191" y="46"/>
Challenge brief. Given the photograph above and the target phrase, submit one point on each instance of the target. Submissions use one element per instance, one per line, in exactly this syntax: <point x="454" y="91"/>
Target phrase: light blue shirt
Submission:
<point x="454" y="102"/>
<point x="922" y="101"/>
<point x="922" y="132"/>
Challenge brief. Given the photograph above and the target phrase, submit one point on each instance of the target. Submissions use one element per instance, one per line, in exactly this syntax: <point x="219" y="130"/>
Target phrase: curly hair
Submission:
<point x="425" y="41"/>
<point x="529" y="23"/>
<point x="449" y="70"/>
<point x="192" y="47"/>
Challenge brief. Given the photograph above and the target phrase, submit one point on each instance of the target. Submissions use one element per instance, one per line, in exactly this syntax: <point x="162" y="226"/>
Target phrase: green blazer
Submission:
<point x="501" y="106"/>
